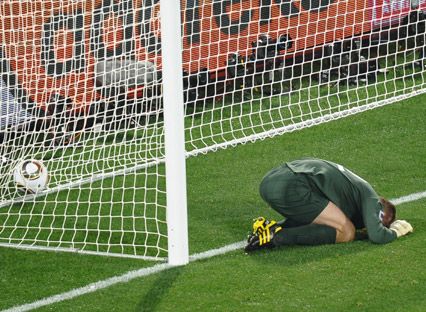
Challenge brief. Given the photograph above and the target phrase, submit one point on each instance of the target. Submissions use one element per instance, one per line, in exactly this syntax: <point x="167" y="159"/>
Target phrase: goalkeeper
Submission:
<point x="323" y="203"/>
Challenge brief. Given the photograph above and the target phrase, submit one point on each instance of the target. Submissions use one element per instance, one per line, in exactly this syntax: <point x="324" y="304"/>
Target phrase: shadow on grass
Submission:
<point x="296" y="255"/>
<point x="160" y="288"/>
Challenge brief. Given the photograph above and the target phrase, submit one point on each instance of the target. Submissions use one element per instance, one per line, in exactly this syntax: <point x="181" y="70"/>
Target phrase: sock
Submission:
<point x="289" y="223"/>
<point x="311" y="234"/>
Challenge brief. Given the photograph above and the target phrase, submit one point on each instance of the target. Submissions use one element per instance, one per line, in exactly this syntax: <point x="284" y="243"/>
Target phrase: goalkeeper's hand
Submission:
<point x="401" y="227"/>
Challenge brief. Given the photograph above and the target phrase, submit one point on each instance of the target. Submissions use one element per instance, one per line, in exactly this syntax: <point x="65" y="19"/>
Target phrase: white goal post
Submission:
<point x="174" y="133"/>
<point x="113" y="95"/>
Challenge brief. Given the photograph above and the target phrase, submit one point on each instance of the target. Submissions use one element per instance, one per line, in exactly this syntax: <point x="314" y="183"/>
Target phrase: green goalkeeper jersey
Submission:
<point x="352" y="194"/>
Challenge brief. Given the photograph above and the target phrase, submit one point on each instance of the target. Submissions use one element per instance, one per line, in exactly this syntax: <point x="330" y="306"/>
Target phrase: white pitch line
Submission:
<point x="408" y="198"/>
<point x="127" y="277"/>
<point x="131" y="275"/>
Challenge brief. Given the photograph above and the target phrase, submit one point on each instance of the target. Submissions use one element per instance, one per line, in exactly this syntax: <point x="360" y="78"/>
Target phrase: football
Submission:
<point x="31" y="176"/>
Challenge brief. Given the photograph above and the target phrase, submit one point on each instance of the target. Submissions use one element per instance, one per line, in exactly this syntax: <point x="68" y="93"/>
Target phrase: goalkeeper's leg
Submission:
<point x="310" y="234"/>
<point x="333" y="217"/>
<point x="330" y="226"/>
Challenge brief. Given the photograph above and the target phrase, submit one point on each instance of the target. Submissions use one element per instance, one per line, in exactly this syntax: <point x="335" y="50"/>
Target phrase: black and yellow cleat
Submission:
<point x="263" y="232"/>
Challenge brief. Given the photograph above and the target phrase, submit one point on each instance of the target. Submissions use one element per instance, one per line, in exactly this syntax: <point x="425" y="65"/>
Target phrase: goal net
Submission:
<point x="82" y="91"/>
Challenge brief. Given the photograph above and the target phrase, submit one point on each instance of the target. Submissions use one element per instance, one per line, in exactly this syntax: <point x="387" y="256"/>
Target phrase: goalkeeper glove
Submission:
<point x="401" y="227"/>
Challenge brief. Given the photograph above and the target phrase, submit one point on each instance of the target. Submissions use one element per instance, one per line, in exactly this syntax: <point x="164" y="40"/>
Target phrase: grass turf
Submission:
<point x="385" y="146"/>
<point x="349" y="277"/>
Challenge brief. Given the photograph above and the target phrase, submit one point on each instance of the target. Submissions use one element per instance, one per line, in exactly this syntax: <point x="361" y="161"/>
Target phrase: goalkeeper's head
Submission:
<point x="389" y="212"/>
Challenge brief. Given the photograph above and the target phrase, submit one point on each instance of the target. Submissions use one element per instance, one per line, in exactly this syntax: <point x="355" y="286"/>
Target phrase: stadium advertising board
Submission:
<point x="389" y="12"/>
<point x="53" y="46"/>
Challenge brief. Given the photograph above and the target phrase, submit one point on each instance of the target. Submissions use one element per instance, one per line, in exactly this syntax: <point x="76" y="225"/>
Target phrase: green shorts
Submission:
<point x="292" y="195"/>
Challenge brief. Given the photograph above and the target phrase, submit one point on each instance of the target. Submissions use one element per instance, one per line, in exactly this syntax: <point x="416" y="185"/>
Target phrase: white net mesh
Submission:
<point x="81" y="91"/>
<point x="92" y="99"/>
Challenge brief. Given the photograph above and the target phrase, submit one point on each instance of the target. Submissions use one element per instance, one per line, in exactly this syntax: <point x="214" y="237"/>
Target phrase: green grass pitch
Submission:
<point x="386" y="146"/>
